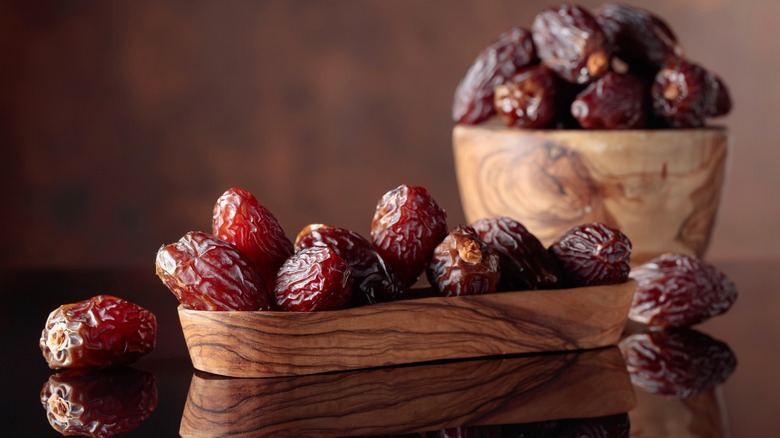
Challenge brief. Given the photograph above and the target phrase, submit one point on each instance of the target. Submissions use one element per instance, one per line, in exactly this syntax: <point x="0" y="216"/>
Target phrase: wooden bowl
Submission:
<point x="383" y="401"/>
<point x="267" y="344"/>
<point x="661" y="188"/>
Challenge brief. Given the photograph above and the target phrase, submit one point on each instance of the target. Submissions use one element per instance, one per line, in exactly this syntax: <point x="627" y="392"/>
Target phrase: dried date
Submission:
<point x="677" y="363"/>
<point x="529" y="99"/>
<point x="615" y="101"/>
<point x="103" y="331"/>
<point x="100" y="404"/>
<point x="208" y="273"/>
<point x="593" y="254"/>
<point x="462" y="264"/>
<point x="524" y="262"/>
<point x="512" y="50"/>
<point x="680" y="290"/>
<point x="569" y="41"/>
<point x="407" y="226"/>
<point x="313" y="279"/>
<point x="684" y="94"/>
<point x="240" y="219"/>
<point x="373" y="280"/>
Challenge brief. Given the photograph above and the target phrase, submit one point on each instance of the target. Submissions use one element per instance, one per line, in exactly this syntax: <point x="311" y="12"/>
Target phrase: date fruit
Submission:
<point x="462" y="264"/>
<point x="512" y="50"/>
<point x="240" y="219"/>
<point x="593" y="254"/>
<point x="529" y="99"/>
<point x="615" y="101"/>
<point x="638" y="37"/>
<point x="569" y="41"/>
<point x="680" y="290"/>
<point x="207" y="273"/>
<point x="684" y="94"/>
<point x="524" y="263"/>
<point x="677" y="363"/>
<point x="100" y="404"/>
<point x="313" y="279"/>
<point x="407" y="226"/>
<point x="103" y="331"/>
<point x="373" y="281"/>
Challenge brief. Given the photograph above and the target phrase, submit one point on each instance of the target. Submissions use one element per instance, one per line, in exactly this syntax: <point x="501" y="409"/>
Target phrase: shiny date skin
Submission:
<point x="615" y="101"/>
<point x="512" y="50"/>
<point x="373" y="281"/>
<point x="593" y="254"/>
<point x="313" y="279"/>
<point x="208" y="273"/>
<point x="103" y="331"/>
<point x="462" y="264"/>
<point x="679" y="290"/>
<point x="529" y="99"/>
<point x="99" y="404"/>
<point x="685" y="94"/>
<point x="241" y="220"/>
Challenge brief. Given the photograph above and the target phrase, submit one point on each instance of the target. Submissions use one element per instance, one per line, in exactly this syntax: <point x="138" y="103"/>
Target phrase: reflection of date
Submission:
<point x="100" y="404"/>
<point x="678" y="363"/>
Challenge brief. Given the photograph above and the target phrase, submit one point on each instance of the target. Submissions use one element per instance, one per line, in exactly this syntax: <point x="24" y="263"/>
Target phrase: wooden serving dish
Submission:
<point x="267" y="344"/>
<point x="511" y="390"/>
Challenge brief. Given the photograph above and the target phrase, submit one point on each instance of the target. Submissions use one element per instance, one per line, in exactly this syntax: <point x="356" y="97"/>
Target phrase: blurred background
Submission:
<point x="122" y="122"/>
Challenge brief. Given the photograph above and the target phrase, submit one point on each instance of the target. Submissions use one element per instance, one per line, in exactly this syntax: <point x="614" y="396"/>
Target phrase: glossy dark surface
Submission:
<point x="743" y="406"/>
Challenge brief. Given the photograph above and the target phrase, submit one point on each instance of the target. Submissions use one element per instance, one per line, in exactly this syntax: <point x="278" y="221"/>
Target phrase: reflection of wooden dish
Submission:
<point x="662" y="188"/>
<point x="517" y="389"/>
<point x="265" y="344"/>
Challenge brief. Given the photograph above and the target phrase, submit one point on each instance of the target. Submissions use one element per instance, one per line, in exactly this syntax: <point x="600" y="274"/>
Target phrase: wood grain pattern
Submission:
<point x="517" y="389"/>
<point x="264" y="344"/>
<point x="662" y="188"/>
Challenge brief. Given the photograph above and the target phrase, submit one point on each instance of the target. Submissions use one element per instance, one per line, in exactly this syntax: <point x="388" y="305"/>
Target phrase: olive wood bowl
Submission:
<point x="662" y="188"/>
<point x="418" y="398"/>
<point x="268" y="344"/>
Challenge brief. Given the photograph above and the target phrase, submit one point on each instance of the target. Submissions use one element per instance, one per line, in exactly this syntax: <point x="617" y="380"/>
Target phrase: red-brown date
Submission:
<point x="240" y="219"/>
<point x="593" y="254"/>
<point x="684" y="94"/>
<point x="100" y="404"/>
<point x="373" y="280"/>
<point x="524" y="263"/>
<point x="529" y="99"/>
<point x="103" y="331"/>
<point x="512" y="50"/>
<point x="569" y="41"/>
<point x="313" y="279"/>
<point x="680" y="290"/>
<point x="615" y="101"/>
<point x="207" y="273"/>
<point x="677" y="363"/>
<point x="462" y="264"/>
<point x="407" y="226"/>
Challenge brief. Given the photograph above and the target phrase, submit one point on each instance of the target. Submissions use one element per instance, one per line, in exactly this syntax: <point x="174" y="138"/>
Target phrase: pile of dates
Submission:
<point x="615" y="67"/>
<point x="247" y="263"/>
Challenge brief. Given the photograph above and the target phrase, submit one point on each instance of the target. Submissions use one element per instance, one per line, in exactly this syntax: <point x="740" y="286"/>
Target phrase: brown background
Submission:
<point x="122" y="122"/>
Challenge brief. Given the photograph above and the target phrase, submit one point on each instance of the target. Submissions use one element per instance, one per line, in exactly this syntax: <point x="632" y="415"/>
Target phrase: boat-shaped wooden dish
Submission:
<point x="481" y="392"/>
<point x="268" y="344"/>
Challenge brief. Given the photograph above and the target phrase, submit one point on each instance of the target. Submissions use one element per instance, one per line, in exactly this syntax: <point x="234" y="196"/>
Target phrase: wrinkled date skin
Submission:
<point x="462" y="264"/>
<point x="677" y="363"/>
<point x="207" y="273"/>
<point x="240" y="219"/>
<point x="569" y="41"/>
<point x="103" y="331"/>
<point x="680" y="290"/>
<point x="373" y="281"/>
<point x="615" y="101"/>
<point x="529" y="99"/>
<point x="100" y="404"/>
<point x="638" y="37"/>
<point x="313" y="279"/>
<point x="593" y="254"/>
<point x="524" y="262"/>
<point x="407" y="226"/>
<point x="684" y="94"/>
<point x="512" y="50"/>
